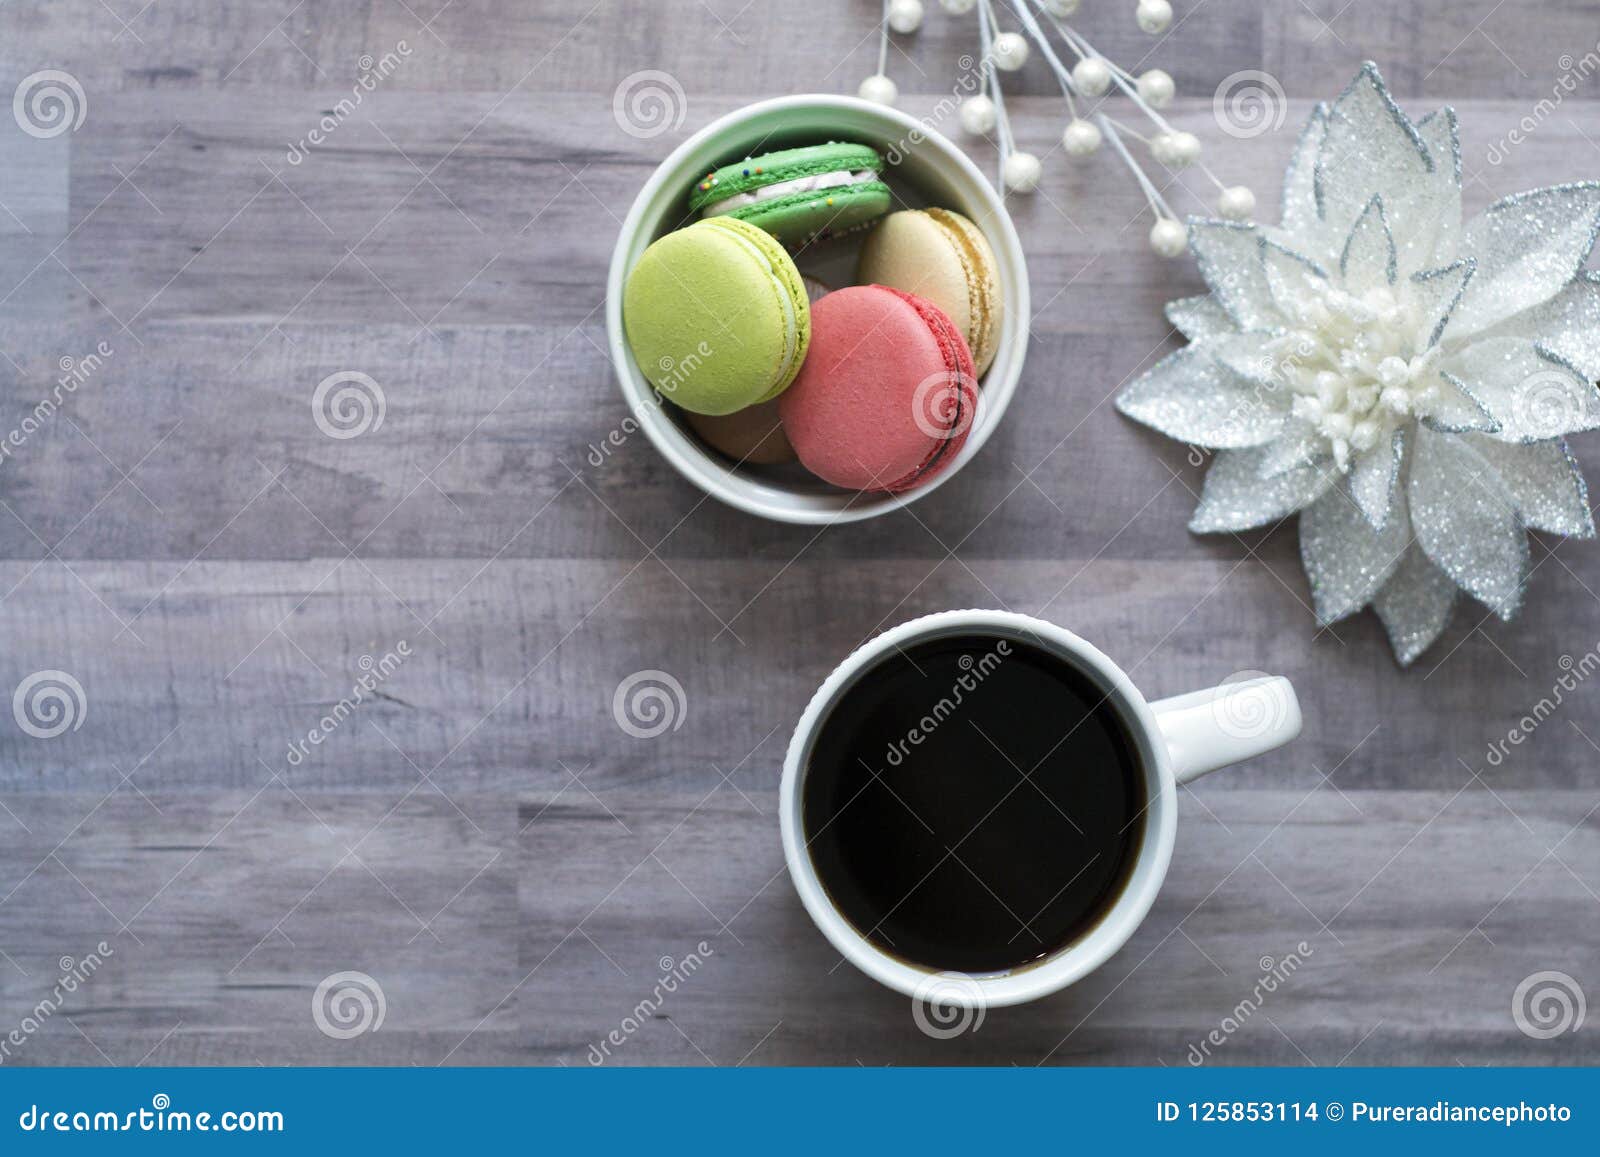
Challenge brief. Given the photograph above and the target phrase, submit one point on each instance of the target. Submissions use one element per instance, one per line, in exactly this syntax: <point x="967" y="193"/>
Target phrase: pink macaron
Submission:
<point x="887" y="393"/>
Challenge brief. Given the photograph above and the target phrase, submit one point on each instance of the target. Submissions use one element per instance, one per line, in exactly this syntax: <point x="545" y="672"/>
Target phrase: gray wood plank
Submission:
<point x="557" y="913"/>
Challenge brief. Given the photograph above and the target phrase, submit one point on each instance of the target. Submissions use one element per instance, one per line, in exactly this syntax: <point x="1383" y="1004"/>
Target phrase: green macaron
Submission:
<point x="798" y="195"/>
<point x="716" y="316"/>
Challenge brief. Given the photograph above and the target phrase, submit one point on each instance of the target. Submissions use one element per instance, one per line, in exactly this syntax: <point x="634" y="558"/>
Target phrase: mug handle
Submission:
<point x="1205" y="730"/>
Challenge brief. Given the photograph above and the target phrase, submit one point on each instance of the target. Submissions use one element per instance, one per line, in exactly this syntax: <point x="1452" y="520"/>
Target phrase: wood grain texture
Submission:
<point x="478" y="835"/>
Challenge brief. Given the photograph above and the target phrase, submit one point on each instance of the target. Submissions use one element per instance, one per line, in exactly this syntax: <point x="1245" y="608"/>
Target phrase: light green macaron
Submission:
<point x="717" y="316"/>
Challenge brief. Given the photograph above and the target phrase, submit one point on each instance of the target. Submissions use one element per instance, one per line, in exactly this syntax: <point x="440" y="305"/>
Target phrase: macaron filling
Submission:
<point x="791" y="330"/>
<point x="813" y="183"/>
<point x="956" y="404"/>
<point x="981" y="307"/>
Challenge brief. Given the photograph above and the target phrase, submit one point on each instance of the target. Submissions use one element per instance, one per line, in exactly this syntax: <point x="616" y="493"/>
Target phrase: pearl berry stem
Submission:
<point x="904" y="16"/>
<point x="1091" y="76"/>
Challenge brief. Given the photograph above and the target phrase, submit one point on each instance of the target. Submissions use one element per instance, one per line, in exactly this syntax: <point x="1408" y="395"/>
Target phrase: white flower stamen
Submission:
<point x="1357" y="365"/>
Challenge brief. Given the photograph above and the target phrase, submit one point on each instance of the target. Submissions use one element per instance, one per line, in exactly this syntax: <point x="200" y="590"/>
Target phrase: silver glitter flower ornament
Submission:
<point x="1401" y="379"/>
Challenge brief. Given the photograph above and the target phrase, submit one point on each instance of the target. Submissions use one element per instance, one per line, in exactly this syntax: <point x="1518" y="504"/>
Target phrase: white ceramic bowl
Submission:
<point x="930" y="171"/>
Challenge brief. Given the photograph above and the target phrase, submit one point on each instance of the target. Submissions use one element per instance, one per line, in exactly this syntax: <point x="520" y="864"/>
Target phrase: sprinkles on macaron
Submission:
<point x="788" y="189"/>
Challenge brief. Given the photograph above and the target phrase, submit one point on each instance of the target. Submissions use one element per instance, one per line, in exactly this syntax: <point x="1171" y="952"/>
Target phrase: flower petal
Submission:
<point x="1190" y="396"/>
<point x="1236" y="497"/>
<point x="1200" y="317"/>
<point x="1294" y="280"/>
<point x="1533" y="396"/>
<point x="1415" y="605"/>
<point x="1370" y="147"/>
<point x="1459" y="410"/>
<point x="1466" y="520"/>
<point x="1368" y="259"/>
<point x="1436" y="235"/>
<point x="1253" y="357"/>
<point x="1545" y="483"/>
<point x="1528" y="247"/>
<point x="1346" y="560"/>
<point x="1434" y="294"/>
<point x="1375" y="478"/>
<point x="1298" y="444"/>
<point x="1229" y="256"/>
<point x="1299" y="179"/>
<point x="1567" y="325"/>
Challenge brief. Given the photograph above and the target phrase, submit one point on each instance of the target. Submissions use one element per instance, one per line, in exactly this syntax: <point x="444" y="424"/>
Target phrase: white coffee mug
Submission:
<point x="1178" y="740"/>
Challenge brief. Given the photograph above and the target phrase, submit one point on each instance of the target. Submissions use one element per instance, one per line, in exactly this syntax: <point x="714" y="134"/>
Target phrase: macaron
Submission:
<point x="752" y="436"/>
<point x="716" y="316"/>
<point x="945" y="258"/>
<point x="887" y="394"/>
<point x="798" y="195"/>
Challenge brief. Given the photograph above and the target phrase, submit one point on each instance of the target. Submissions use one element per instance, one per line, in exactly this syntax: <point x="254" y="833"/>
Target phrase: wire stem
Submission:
<point x="1152" y="195"/>
<point x="883" y="42"/>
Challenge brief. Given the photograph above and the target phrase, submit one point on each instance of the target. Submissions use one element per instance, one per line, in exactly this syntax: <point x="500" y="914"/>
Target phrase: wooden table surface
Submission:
<point x="511" y="869"/>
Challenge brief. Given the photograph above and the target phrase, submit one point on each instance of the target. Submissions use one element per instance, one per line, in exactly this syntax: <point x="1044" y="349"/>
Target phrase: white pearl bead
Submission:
<point x="1091" y="77"/>
<point x="1010" y="51"/>
<point x="879" y="89"/>
<point x="1062" y="8"/>
<point x="1080" y="138"/>
<point x="1021" y="173"/>
<point x="1169" y="238"/>
<point x="1181" y="149"/>
<point x="905" y="16"/>
<point x="977" y="115"/>
<point x="1236" y="203"/>
<point x="1156" y="88"/>
<point x="1153" y="15"/>
<point x="958" y="7"/>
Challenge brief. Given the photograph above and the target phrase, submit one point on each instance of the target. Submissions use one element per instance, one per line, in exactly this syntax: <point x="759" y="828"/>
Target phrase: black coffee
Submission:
<point x="973" y="803"/>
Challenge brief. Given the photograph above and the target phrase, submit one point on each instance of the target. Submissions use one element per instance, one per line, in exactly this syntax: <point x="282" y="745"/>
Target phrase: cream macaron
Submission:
<point x="944" y="258"/>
